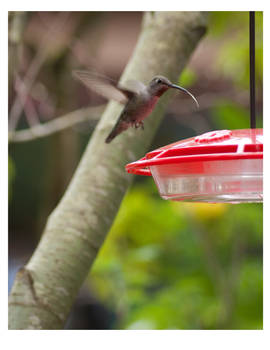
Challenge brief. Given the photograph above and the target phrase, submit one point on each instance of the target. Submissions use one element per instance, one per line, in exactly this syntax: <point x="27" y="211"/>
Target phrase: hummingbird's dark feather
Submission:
<point x="119" y="127"/>
<point x="104" y="86"/>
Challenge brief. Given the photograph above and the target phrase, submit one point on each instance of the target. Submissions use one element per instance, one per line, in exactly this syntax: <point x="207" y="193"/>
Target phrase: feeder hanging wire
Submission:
<point x="252" y="68"/>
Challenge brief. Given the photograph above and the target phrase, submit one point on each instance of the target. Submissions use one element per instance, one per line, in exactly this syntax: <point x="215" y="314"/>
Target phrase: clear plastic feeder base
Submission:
<point x="231" y="181"/>
<point x="225" y="189"/>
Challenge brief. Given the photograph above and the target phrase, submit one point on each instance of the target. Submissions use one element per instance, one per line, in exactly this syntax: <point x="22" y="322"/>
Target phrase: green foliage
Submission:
<point x="188" y="266"/>
<point x="230" y="115"/>
<point x="187" y="78"/>
<point x="228" y="34"/>
<point x="231" y="30"/>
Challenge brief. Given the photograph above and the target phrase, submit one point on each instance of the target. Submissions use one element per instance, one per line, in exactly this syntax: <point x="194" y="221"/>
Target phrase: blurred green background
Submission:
<point x="164" y="265"/>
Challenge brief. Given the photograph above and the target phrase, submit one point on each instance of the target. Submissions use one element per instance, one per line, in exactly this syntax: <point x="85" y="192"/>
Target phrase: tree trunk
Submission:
<point x="44" y="290"/>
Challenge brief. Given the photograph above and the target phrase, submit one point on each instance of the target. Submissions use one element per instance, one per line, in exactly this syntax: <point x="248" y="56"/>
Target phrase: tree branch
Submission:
<point x="56" y="125"/>
<point x="78" y="226"/>
<point x="32" y="72"/>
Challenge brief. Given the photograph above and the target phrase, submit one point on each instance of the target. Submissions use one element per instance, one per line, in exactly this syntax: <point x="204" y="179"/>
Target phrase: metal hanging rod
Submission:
<point x="252" y="69"/>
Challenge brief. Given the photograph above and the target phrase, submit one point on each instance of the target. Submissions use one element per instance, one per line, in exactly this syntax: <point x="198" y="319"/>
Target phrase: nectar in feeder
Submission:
<point x="219" y="166"/>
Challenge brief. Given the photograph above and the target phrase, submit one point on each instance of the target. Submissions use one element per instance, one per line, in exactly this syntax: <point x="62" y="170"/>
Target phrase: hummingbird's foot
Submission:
<point x="138" y="124"/>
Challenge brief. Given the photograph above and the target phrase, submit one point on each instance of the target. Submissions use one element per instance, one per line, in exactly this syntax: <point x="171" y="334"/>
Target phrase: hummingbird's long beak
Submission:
<point x="186" y="91"/>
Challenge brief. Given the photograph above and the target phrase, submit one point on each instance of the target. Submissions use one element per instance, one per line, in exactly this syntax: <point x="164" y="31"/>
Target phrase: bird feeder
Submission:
<point x="218" y="166"/>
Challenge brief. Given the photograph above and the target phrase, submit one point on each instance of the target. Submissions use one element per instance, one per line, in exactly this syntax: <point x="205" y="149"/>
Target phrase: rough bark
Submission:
<point x="45" y="288"/>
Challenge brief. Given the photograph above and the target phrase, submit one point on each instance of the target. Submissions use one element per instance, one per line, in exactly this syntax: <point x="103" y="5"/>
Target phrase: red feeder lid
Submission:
<point x="218" y="166"/>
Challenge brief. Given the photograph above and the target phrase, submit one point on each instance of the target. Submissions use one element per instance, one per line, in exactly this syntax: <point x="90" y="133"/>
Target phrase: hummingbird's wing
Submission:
<point x="104" y="86"/>
<point x="135" y="86"/>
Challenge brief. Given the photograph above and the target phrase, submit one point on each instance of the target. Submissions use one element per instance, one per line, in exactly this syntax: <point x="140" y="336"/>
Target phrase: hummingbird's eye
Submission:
<point x="159" y="81"/>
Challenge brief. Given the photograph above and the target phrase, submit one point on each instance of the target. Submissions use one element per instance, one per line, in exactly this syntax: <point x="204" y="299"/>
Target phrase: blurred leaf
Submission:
<point x="249" y="306"/>
<point x="142" y="324"/>
<point x="206" y="211"/>
<point x="187" y="78"/>
<point x="233" y="56"/>
<point x="227" y="115"/>
<point x="221" y="22"/>
<point x="233" y="61"/>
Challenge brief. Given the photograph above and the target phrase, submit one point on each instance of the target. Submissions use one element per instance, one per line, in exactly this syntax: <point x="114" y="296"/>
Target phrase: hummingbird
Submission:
<point x="139" y="99"/>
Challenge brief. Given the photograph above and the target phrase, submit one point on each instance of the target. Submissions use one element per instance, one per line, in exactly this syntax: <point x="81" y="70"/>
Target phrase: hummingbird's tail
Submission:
<point x="111" y="136"/>
<point x="118" y="128"/>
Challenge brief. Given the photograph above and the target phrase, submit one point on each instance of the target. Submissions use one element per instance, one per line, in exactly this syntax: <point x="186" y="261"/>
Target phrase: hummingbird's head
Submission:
<point x="160" y="84"/>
